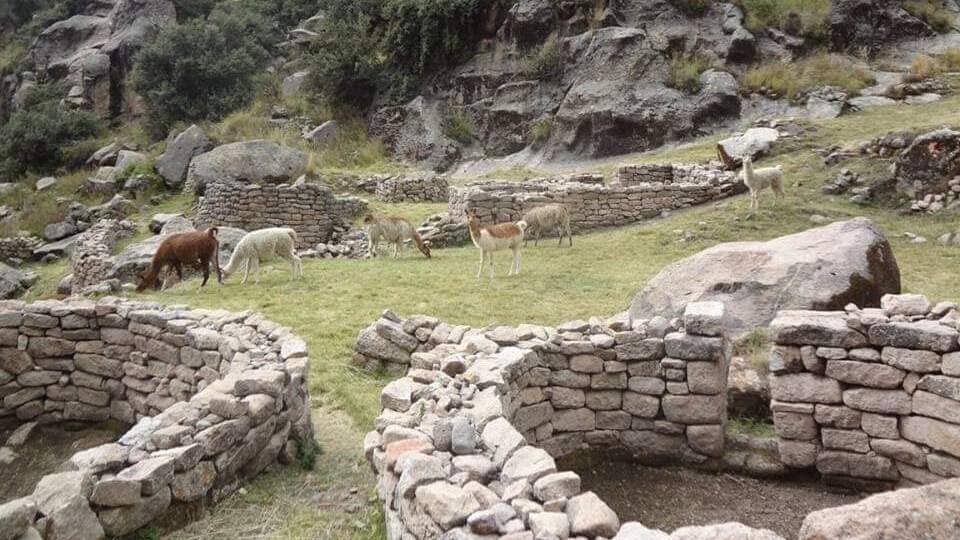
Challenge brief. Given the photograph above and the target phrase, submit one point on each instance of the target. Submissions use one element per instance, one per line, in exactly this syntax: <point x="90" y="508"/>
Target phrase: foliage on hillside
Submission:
<point x="807" y="18"/>
<point x="821" y="69"/>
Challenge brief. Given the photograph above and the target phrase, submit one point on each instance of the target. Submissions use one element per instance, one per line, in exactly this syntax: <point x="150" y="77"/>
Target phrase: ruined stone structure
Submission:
<point x="213" y="398"/>
<point x="412" y="188"/>
<point x="642" y="193"/>
<point x="92" y="258"/>
<point x="494" y="407"/>
<point x="869" y="397"/>
<point x="310" y="209"/>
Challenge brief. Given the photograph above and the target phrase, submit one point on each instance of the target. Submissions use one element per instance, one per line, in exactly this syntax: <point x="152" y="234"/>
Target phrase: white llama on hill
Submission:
<point x="262" y="245"/>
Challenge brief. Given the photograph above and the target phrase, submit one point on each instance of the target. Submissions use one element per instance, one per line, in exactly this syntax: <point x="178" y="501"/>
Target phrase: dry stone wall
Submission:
<point x="310" y="209"/>
<point x="870" y="397"/>
<point x="213" y="398"/>
<point x="92" y="258"/>
<point x="18" y="247"/>
<point x="412" y="188"/>
<point x="643" y="192"/>
<point x="466" y="441"/>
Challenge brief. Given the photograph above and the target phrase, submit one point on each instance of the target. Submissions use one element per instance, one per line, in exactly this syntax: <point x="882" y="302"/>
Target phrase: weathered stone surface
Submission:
<point x="528" y="463"/>
<point x="416" y="470"/>
<point x="910" y="360"/>
<point x="797" y="454"/>
<point x="704" y="318"/>
<point x="924" y="335"/>
<point x="15" y="517"/>
<point x="880" y="426"/>
<point x="591" y="516"/>
<point x="126" y="519"/>
<point x="845" y="439"/>
<point x="805" y="388"/>
<point x="153" y="474"/>
<point x="948" y="387"/>
<point x="549" y="525"/>
<point x="693" y="409"/>
<point x="258" y="161"/>
<point x="925" y="512"/>
<point x="557" y="486"/>
<point x="641" y="405"/>
<point x="723" y="531"/>
<point x="100" y="458"/>
<point x="878" y="401"/>
<point x="116" y="492"/>
<point x="193" y="484"/>
<point x="936" y="406"/>
<point x="707" y="440"/>
<point x="899" y="450"/>
<point x="691" y="347"/>
<point x="837" y="416"/>
<point x="447" y="504"/>
<point x="865" y="373"/>
<point x="936" y="434"/>
<point x="172" y="165"/>
<point x="856" y="465"/>
<point x="822" y="269"/>
<point x="795" y="426"/>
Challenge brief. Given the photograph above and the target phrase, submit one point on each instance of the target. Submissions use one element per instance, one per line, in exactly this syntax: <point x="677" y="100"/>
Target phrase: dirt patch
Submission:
<point x="46" y="449"/>
<point x="668" y="498"/>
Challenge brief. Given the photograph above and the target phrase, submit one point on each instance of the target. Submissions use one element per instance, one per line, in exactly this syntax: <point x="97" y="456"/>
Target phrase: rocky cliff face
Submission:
<point x="609" y="93"/>
<point x="92" y="53"/>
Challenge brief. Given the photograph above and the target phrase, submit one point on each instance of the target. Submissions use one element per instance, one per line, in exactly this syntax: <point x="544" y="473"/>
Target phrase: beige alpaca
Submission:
<point x="496" y="238"/>
<point x="394" y="230"/>
<point x="758" y="180"/>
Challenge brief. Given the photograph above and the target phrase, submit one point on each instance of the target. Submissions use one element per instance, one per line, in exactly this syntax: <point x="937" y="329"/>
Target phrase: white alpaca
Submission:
<point x="547" y="218"/>
<point x="262" y="245"/>
<point x="496" y="238"/>
<point x="759" y="179"/>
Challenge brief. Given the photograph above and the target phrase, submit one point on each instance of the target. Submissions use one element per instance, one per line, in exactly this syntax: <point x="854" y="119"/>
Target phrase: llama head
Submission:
<point x="212" y="232"/>
<point x="471" y="214"/>
<point x="368" y="219"/>
<point x="424" y="248"/>
<point x="143" y="281"/>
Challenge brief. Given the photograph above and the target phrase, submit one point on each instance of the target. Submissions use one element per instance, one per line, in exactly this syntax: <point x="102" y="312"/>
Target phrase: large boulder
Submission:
<point x="929" y="164"/>
<point x="14" y="282"/>
<point x="925" y="512"/>
<point x="415" y="132"/>
<point x="872" y="24"/>
<point x="258" y="161"/>
<point x="754" y="142"/>
<point x="173" y="163"/>
<point x="819" y="269"/>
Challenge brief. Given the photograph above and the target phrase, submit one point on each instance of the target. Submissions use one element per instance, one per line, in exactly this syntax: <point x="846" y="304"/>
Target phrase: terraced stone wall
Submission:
<point x="213" y="398"/>
<point x="870" y="397"/>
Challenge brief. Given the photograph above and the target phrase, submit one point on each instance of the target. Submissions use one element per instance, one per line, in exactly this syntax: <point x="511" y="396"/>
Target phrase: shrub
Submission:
<point x="307" y="453"/>
<point x="821" y="69"/>
<point x="459" y="126"/>
<point x="923" y="67"/>
<point x="199" y="70"/>
<point x="950" y="60"/>
<point x="933" y="12"/>
<point x="692" y="7"/>
<point x="350" y="72"/>
<point x="684" y="72"/>
<point x="812" y="16"/>
<point x="192" y="9"/>
<point x="36" y="132"/>
<point x="545" y="62"/>
<point x="540" y="129"/>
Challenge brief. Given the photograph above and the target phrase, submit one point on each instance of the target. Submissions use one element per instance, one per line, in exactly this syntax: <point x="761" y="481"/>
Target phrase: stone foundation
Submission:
<point x="213" y="397"/>
<point x="869" y="397"/>
<point x="310" y="209"/>
<point x="643" y="192"/>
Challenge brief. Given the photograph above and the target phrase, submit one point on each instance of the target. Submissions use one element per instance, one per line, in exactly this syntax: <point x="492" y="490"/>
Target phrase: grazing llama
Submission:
<point x="394" y="230"/>
<point x="758" y="180"/>
<point x="496" y="238"/>
<point x="547" y="218"/>
<point x="194" y="249"/>
<point x="262" y="245"/>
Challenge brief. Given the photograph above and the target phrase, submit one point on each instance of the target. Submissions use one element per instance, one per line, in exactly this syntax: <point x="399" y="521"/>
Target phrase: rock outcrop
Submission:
<point x="14" y="282"/>
<point x="872" y="24"/>
<point x="258" y="162"/>
<point x="822" y="269"/>
<point x="929" y="164"/>
<point x="180" y="150"/>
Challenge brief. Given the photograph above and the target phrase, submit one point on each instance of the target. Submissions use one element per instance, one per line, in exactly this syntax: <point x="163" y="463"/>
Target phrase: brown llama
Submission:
<point x="194" y="249"/>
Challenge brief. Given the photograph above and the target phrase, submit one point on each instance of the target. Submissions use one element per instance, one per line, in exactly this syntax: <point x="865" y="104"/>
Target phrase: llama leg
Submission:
<point x="491" y="265"/>
<point x="569" y="234"/>
<point x="206" y="276"/>
<point x="246" y="271"/>
<point x="256" y="268"/>
<point x="483" y="260"/>
<point x="516" y="261"/>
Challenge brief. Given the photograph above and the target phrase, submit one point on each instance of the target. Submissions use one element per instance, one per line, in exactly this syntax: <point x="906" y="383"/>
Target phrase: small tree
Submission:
<point x="199" y="70"/>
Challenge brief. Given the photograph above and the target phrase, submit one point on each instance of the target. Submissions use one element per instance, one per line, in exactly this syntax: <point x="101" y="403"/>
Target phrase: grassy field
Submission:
<point x="598" y="276"/>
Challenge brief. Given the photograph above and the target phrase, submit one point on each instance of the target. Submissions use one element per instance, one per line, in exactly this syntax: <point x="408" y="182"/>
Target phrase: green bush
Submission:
<point x="545" y="62"/>
<point x="540" y="129"/>
<point x="36" y="133"/>
<point x="692" y="7"/>
<point x="933" y="12"/>
<point x="460" y="127"/>
<point x="348" y="73"/>
<point x="685" y="70"/>
<point x="812" y="16"/>
<point x="307" y="453"/>
<point x="200" y="70"/>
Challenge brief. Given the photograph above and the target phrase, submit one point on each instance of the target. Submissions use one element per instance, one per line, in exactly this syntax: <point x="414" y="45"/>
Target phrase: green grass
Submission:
<point x="822" y="69"/>
<point x="460" y="127"/>
<point x="755" y="348"/>
<point x="751" y="426"/>
<point x="544" y="62"/>
<point x="541" y="128"/>
<point x="598" y="276"/>
<point x="933" y="12"/>
<point x="812" y="14"/>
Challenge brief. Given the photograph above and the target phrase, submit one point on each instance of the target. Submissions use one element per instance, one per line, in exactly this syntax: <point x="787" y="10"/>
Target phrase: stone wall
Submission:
<point x="92" y="258"/>
<point x="670" y="174"/>
<point x="412" y="188"/>
<point x="869" y="397"/>
<point x="596" y="205"/>
<point x="18" y="247"/>
<point x="213" y="397"/>
<point x="482" y="413"/>
<point x="310" y="209"/>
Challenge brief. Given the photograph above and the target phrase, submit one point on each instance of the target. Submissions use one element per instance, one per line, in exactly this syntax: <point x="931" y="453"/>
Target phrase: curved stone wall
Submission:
<point x="213" y="398"/>
<point x="412" y="188"/>
<point x="870" y="397"/>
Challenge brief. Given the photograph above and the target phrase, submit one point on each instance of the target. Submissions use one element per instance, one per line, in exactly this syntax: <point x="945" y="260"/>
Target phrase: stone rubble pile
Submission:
<point x="466" y="441"/>
<point x="213" y="397"/>
<point x="643" y="192"/>
<point x="92" y="258"/>
<point x="310" y="209"/>
<point x="444" y="230"/>
<point x="869" y="397"/>
<point x="18" y="248"/>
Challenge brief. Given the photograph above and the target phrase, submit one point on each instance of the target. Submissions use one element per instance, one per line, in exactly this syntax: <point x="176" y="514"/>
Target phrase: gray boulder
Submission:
<point x="127" y="158"/>
<point x="754" y="143"/>
<point x="927" y="166"/>
<point x="322" y="133"/>
<point x="292" y="84"/>
<point x="415" y="132"/>
<point x="159" y="221"/>
<point x="819" y="269"/>
<point x="14" y="282"/>
<point x="258" y="161"/>
<point x="172" y="165"/>
<point x="872" y="24"/>
<point x="924" y="512"/>
<point x="46" y="183"/>
<point x="59" y="231"/>
<point x="60" y="248"/>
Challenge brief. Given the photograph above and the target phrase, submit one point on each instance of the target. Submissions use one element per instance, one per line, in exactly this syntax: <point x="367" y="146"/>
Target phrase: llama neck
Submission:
<point x="474" y="226"/>
<point x="748" y="169"/>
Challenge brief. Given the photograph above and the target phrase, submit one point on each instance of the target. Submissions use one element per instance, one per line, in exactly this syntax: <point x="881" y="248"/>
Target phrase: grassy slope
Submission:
<point x="597" y="277"/>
